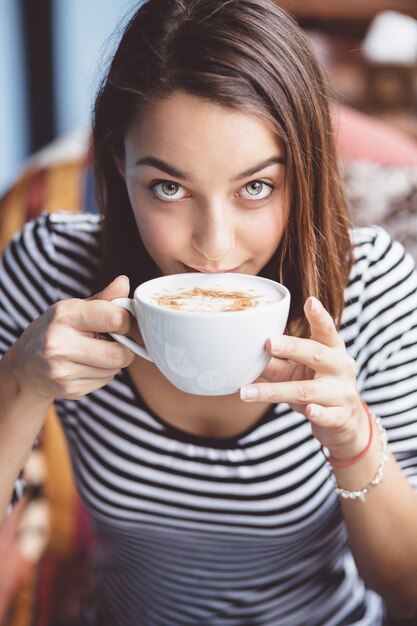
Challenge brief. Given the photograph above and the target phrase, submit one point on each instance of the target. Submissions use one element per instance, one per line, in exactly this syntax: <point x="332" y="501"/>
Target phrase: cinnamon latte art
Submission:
<point x="206" y="300"/>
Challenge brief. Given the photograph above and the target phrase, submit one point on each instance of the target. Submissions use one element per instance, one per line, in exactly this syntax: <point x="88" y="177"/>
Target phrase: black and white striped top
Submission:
<point x="242" y="531"/>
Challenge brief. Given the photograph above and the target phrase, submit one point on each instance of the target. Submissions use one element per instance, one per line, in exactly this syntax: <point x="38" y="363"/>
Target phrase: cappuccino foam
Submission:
<point x="206" y="300"/>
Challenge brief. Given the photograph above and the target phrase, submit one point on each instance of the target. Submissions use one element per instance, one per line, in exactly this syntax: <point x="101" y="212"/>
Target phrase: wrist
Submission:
<point x="354" y="481"/>
<point x="19" y="385"/>
<point x="348" y="453"/>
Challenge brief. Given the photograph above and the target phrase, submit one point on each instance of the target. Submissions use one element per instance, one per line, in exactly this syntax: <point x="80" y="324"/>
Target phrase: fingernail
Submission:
<point x="314" y="411"/>
<point x="122" y="277"/>
<point x="249" y="393"/>
<point x="315" y="304"/>
<point x="277" y="344"/>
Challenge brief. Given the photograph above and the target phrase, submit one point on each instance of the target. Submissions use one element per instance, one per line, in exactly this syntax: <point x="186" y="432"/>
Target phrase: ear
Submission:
<point x="120" y="166"/>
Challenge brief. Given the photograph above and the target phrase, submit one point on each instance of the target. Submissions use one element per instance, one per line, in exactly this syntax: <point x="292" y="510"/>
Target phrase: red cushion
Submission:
<point x="361" y="137"/>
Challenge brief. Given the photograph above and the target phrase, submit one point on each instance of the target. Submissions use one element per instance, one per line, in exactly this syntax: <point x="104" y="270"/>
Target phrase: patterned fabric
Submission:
<point x="247" y="530"/>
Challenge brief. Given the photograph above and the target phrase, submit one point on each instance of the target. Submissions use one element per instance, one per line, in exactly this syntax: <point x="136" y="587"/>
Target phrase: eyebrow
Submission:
<point x="176" y="173"/>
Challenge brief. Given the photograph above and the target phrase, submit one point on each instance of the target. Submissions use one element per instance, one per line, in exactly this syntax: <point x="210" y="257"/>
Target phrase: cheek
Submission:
<point x="153" y="233"/>
<point x="161" y="233"/>
<point x="264" y="231"/>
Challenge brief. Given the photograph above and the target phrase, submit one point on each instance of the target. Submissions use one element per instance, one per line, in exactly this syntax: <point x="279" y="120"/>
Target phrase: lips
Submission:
<point x="208" y="271"/>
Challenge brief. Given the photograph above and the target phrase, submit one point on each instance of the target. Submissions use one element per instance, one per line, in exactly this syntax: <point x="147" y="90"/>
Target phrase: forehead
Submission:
<point x="182" y="125"/>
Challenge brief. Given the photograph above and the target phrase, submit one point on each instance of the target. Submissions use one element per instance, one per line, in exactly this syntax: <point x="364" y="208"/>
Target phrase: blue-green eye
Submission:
<point x="168" y="191"/>
<point x="256" y="190"/>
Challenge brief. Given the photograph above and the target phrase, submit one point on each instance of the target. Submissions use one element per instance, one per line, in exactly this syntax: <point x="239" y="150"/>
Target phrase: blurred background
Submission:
<point x="369" y="48"/>
<point x="51" y="57"/>
<point x="52" y="54"/>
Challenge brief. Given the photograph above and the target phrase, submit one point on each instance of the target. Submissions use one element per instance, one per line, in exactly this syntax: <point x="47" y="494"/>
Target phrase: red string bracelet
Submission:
<point x="364" y="451"/>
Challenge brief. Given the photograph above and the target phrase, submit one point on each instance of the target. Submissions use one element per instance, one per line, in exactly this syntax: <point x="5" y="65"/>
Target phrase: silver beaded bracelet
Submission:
<point x="362" y="493"/>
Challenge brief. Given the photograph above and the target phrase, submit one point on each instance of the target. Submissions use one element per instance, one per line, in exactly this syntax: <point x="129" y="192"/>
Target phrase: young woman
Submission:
<point x="281" y="505"/>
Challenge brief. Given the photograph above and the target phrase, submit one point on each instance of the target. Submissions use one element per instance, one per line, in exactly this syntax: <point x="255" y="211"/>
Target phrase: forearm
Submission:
<point x="22" y="414"/>
<point x="382" y="530"/>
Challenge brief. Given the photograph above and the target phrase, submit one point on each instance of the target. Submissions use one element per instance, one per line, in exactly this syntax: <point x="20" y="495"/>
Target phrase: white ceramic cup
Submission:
<point x="207" y="353"/>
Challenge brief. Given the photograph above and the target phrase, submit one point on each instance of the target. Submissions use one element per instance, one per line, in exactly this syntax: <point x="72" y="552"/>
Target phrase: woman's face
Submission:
<point x="206" y="184"/>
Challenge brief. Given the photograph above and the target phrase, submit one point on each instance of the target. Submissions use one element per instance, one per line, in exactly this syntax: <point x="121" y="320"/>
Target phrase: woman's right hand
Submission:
<point x="60" y="355"/>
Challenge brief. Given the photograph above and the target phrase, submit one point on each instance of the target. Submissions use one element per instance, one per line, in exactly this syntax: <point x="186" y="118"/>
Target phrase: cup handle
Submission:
<point x="128" y="304"/>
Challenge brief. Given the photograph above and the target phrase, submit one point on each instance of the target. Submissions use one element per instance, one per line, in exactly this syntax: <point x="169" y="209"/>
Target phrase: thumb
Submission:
<point x="118" y="288"/>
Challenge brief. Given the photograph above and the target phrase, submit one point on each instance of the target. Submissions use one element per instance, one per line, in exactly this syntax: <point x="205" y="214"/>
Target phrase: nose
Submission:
<point x="213" y="234"/>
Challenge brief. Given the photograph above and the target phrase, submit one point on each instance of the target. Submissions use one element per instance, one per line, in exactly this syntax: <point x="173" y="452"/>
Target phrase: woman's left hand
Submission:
<point x="316" y="377"/>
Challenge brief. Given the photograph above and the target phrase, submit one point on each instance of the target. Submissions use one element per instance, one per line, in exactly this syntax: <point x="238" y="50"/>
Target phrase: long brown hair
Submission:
<point x="249" y="55"/>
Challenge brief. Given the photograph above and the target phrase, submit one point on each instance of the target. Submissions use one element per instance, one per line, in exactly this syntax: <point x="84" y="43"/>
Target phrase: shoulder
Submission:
<point x="43" y="232"/>
<point x="64" y="248"/>
<point x="72" y="224"/>
<point x="371" y="241"/>
<point x="377" y="256"/>
<point x="379" y="328"/>
<point x="381" y="296"/>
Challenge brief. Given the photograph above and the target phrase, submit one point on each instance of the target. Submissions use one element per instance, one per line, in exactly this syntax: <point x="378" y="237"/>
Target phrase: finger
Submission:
<point x="102" y="354"/>
<point x="82" y="387"/>
<point x="94" y="316"/>
<point x="325" y="416"/>
<point x="63" y="373"/>
<point x="337" y="431"/>
<point x="118" y="288"/>
<point x="68" y="345"/>
<point x="301" y="392"/>
<point x="321" y="323"/>
<point x="312" y="354"/>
